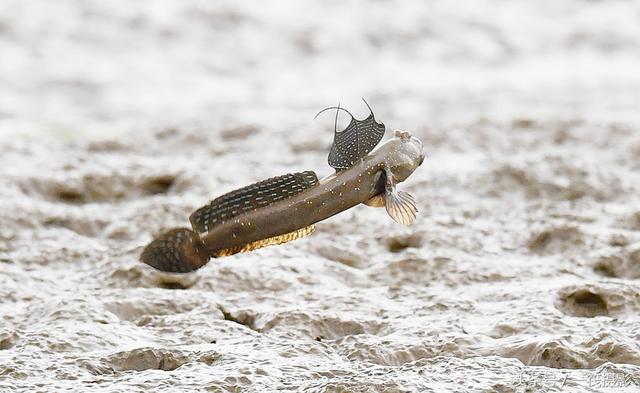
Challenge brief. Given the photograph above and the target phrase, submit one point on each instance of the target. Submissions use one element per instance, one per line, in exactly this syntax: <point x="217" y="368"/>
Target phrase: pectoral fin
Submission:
<point x="400" y="205"/>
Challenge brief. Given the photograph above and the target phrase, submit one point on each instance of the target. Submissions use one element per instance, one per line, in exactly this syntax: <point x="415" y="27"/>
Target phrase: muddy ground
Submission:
<point x="522" y="272"/>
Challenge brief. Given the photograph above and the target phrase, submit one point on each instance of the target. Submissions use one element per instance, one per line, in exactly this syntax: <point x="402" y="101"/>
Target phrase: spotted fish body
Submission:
<point x="250" y="198"/>
<point x="285" y="208"/>
<point x="181" y="250"/>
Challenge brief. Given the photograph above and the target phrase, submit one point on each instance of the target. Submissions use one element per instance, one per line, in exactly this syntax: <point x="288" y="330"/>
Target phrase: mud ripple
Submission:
<point x="591" y="300"/>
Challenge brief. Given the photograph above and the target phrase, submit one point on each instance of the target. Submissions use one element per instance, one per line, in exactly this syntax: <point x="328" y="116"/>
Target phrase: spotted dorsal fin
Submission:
<point x="254" y="196"/>
<point x="355" y="141"/>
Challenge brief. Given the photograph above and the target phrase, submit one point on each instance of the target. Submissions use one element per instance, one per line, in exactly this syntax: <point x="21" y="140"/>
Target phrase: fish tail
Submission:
<point x="179" y="250"/>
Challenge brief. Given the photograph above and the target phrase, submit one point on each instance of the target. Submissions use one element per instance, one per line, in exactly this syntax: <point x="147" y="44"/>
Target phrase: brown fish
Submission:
<point x="285" y="208"/>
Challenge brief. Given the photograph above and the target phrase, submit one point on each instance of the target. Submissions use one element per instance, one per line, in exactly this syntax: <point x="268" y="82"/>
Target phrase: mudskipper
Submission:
<point x="287" y="207"/>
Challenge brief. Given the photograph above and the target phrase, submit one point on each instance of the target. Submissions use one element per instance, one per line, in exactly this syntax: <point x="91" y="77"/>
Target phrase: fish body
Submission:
<point x="285" y="208"/>
<point x="332" y="196"/>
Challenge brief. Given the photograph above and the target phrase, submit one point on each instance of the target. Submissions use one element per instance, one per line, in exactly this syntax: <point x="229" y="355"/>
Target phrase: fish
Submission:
<point x="287" y="207"/>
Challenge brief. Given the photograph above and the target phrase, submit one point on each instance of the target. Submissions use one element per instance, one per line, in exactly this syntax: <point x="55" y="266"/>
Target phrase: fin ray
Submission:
<point x="271" y="241"/>
<point x="401" y="207"/>
<point x="355" y="141"/>
<point x="251" y="197"/>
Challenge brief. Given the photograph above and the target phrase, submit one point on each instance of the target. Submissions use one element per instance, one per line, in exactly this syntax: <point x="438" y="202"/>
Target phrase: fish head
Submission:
<point x="404" y="155"/>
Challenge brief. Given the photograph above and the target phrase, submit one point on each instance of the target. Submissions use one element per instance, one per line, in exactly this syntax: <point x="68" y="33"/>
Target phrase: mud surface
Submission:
<point x="118" y="119"/>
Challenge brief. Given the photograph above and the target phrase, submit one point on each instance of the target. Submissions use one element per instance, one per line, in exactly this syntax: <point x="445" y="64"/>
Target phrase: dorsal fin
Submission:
<point x="355" y="141"/>
<point x="254" y="196"/>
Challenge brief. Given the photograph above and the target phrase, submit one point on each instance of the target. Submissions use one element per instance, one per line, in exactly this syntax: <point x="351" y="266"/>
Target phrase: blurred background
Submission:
<point x="82" y="68"/>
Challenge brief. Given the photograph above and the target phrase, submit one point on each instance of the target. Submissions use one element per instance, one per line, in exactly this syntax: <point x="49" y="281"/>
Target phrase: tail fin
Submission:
<point x="179" y="250"/>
